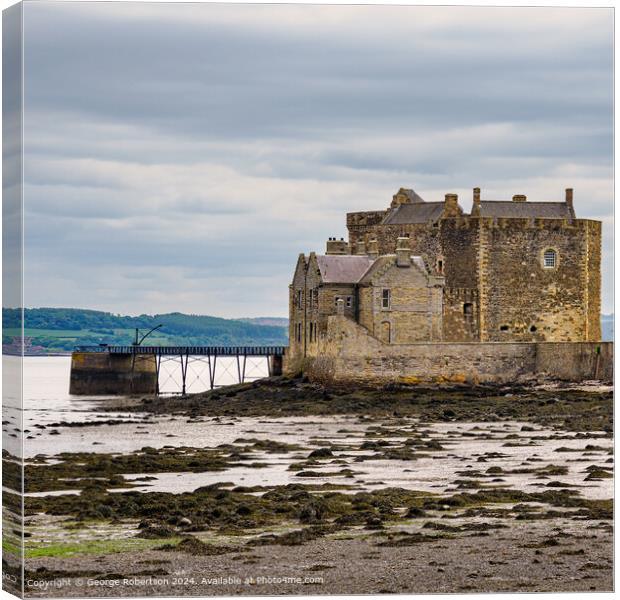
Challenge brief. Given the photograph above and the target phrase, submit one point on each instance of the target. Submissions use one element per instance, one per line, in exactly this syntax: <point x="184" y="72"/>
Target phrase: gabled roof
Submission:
<point x="413" y="196"/>
<point x="525" y="210"/>
<point x="419" y="212"/>
<point x="343" y="268"/>
<point x="417" y="261"/>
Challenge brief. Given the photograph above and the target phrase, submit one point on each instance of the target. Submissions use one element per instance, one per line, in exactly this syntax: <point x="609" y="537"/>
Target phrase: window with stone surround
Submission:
<point x="349" y="301"/>
<point x="386" y="299"/>
<point x="550" y="259"/>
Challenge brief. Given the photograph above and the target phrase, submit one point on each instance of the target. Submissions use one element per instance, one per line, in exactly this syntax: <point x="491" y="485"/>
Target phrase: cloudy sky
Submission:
<point x="180" y="157"/>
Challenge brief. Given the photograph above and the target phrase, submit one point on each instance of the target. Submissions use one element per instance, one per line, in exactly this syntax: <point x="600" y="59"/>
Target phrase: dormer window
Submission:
<point x="550" y="259"/>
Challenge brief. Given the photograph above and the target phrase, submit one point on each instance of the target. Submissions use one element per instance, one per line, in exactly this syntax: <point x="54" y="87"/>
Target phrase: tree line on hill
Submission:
<point x="64" y="328"/>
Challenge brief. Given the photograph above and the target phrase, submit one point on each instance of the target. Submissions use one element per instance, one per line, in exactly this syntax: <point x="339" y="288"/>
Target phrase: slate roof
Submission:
<point x="419" y="212"/>
<point x="343" y="268"/>
<point x="348" y="268"/>
<point x="525" y="210"/>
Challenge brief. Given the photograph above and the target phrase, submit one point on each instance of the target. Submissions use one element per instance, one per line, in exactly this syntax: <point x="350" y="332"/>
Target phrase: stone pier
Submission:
<point x="103" y="373"/>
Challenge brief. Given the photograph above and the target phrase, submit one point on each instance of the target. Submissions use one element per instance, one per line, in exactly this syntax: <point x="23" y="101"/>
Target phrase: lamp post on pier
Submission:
<point x="137" y="342"/>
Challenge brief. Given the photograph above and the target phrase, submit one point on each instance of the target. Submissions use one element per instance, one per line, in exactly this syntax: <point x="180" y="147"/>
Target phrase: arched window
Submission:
<point x="550" y="259"/>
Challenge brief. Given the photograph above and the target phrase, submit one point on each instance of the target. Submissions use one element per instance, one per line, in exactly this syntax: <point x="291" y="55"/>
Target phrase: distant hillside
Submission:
<point x="60" y="329"/>
<point x="607" y="328"/>
<point x="275" y="321"/>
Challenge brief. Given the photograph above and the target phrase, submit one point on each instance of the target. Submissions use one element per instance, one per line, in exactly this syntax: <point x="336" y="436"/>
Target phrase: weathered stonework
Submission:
<point x="349" y="354"/>
<point x="103" y="373"/>
<point x="494" y="261"/>
<point x="514" y="273"/>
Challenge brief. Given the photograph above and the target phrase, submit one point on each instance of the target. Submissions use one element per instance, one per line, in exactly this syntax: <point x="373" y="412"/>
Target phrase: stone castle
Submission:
<point x="421" y="281"/>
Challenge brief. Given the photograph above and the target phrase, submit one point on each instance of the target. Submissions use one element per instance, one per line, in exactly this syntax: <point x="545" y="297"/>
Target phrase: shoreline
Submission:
<point x="586" y="405"/>
<point x="428" y="489"/>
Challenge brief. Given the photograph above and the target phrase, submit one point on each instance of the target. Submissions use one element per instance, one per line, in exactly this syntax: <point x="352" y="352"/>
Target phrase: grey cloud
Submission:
<point x="193" y="146"/>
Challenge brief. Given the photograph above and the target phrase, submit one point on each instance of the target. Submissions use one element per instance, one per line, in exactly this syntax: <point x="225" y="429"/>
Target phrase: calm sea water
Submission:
<point x="47" y="399"/>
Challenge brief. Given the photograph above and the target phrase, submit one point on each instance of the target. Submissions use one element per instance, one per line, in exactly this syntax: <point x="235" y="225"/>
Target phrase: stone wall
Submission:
<point x="349" y="354"/>
<point x="592" y="285"/>
<point x="576" y="360"/>
<point x="523" y="300"/>
<point x="101" y="373"/>
<point x="495" y="267"/>
<point x="415" y="307"/>
<point x="297" y="311"/>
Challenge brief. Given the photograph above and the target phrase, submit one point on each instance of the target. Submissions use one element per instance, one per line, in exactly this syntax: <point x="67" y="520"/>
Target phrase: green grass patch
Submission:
<point x="95" y="547"/>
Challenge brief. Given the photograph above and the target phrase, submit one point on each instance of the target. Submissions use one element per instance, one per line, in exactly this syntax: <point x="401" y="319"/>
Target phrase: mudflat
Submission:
<point x="284" y="486"/>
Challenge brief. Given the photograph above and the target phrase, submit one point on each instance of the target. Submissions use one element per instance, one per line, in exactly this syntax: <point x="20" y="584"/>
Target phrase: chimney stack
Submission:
<point x="569" y="197"/>
<point x="403" y="252"/>
<point x="475" y="209"/>
<point x="335" y="246"/>
<point x="519" y="198"/>
<point x="451" y="206"/>
<point x="373" y="249"/>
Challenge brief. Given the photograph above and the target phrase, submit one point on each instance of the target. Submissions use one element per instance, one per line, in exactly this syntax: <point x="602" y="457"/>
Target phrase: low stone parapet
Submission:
<point x="350" y="353"/>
